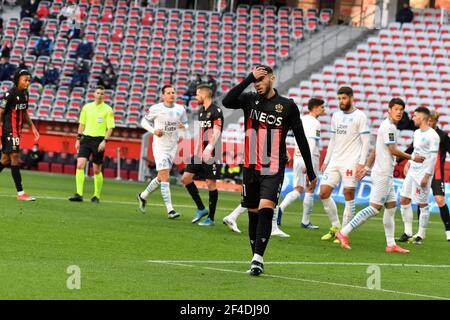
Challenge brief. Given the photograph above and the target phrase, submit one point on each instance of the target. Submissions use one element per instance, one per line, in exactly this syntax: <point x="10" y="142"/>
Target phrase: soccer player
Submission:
<point x="345" y="160"/>
<point x="418" y="178"/>
<point x="163" y="120"/>
<point x="312" y="131"/>
<point x="95" y="128"/>
<point x="205" y="162"/>
<point x="383" y="193"/>
<point x="268" y="117"/>
<point x="13" y="113"/>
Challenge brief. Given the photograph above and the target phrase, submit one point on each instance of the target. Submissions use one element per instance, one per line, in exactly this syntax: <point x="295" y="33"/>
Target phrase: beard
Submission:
<point x="345" y="107"/>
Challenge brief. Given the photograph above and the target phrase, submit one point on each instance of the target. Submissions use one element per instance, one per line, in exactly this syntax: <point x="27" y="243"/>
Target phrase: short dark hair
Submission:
<point x="423" y="110"/>
<point x="397" y="101"/>
<point x="267" y="68"/>
<point x="100" y="87"/>
<point x="165" y="87"/>
<point x="19" y="73"/>
<point x="314" y="102"/>
<point x="205" y="86"/>
<point x="346" y="90"/>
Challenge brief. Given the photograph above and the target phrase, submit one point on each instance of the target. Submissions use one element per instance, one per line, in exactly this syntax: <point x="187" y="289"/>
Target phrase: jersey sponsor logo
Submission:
<point x="349" y="173"/>
<point x="21" y="106"/>
<point x="266" y="118"/>
<point x="341" y="129"/>
<point x="99" y="119"/>
<point x="205" y="124"/>
<point x="170" y="126"/>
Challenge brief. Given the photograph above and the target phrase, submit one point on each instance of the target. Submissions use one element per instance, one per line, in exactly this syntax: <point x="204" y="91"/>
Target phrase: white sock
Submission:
<point x="258" y="258"/>
<point x="389" y="226"/>
<point x="359" y="219"/>
<point x="21" y="193"/>
<point x="349" y="212"/>
<point x="152" y="186"/>
<point x="237" y="212"/>
<point x="308" y="204"/>
<point x="330" y="208"/>
<point x="423" y="221"/>
<point x="165" y="192"/>
<point x="290" y="197"/>
<point x="407" y="216"/>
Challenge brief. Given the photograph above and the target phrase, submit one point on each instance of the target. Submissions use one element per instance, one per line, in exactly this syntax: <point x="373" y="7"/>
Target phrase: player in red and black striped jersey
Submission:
<point x="438" y="184"/>
<point x="206" y="161"/>
<point x="13" y="113"/>
<point x="268" y="117"/>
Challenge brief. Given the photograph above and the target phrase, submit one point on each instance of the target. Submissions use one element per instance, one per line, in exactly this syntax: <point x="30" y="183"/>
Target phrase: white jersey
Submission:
<point x="347" y="128"/>
<point x="311" y="126"/>
<point x="384" y="160"/>
<point x="426" y="143"/>
<point x="167" y="119"/>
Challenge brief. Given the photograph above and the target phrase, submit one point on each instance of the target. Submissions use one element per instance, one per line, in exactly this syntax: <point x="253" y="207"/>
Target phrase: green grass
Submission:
<point x="112" y="242"/>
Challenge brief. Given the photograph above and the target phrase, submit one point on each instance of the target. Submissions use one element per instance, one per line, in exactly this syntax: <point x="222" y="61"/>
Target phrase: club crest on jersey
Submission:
<point x="208" y="115"/>
<point x="279" y="108"/>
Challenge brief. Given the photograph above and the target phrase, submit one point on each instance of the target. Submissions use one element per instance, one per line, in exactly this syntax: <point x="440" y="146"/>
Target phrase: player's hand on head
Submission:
<point x="259" y="72"/>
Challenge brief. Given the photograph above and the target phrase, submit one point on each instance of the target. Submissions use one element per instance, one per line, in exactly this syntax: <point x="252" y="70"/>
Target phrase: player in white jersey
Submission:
<point x="345" y="160"/>
<point x="382" y="193"/>
<point x="418" y="178"/>
<point x="164" y="120"/>
<point x="312" y="131"/>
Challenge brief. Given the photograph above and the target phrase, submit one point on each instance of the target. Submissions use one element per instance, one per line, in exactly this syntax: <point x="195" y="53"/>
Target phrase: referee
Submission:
<point x="95" y="128"/>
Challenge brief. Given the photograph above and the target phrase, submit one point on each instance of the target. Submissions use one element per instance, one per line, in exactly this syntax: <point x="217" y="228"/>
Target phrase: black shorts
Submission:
<point x="438" y="187"/>
<point x="10" y="143"/>
<point x="204" y="170"/>
<point x="256" y="187"/>
<point x="89" y="146"/>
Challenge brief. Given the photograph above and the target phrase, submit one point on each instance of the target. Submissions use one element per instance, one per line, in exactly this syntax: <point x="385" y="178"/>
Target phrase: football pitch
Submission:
<point x="119" y="253"/>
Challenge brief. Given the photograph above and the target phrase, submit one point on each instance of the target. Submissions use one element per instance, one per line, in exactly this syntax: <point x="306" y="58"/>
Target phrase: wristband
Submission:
<point x="79" y="136"/>
<point x="411" y="157"/>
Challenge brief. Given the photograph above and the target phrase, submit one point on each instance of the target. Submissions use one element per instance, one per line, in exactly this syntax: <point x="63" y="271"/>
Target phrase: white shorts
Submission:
<point x="164" y="158"/>
<point x="300" y="171"/>
<point x="382" y="189"/>
<point x="334" y="173"/>
<point x="412" y="190"/>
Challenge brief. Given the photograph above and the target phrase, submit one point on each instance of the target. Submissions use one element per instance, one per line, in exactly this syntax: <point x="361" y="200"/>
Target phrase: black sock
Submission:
<point x="213" y="196"/>
<point x="1" y="167"/>
<point x="263" y="231"/>
<point x="253" y="218"/>
<point x="15" y="172"/>
<point x="193" y="191"/>
<point x="445" y="216"/>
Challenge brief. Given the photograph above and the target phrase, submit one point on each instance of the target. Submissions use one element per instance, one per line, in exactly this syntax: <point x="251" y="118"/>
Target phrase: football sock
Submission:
<point x="407" y="216"/>
<point x="445" y="216"/>
<point x="237" y="212"/>
<point x="253" y="218"/>
<point x="1" y="167"/>
<point x="165" y="192"/>
<point x="17" y="177"/>
<point x="308" y="204"/>
<point x="330" y="208"/>
<point x="193" y="191"/>
<point x="359" y="219"/>
<point x="152" y="186"/>
<point x="263" y="230"/>
<point x="349" y="212"/>
<point x="389" y="226"/>
<point x="423" y="221"/>
<point x="213" y="196"/>
<point x="79" y="178"/>
<point x="290" y="197"/>
<point x="98" y="184"/>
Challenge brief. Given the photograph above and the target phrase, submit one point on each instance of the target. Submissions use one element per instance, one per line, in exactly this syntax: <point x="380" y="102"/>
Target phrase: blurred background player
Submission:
<point x="418" y="178"/>
<point x="383" y="193"/>
<point x="345" y="160"/>
<point x="268" y="117"/>
<point x="206" y="161"/>
<point x="13" y="113"/>
<point x="312" y="130"/>
<point x="163" y="120"/>
<point x="95" y="128"/>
